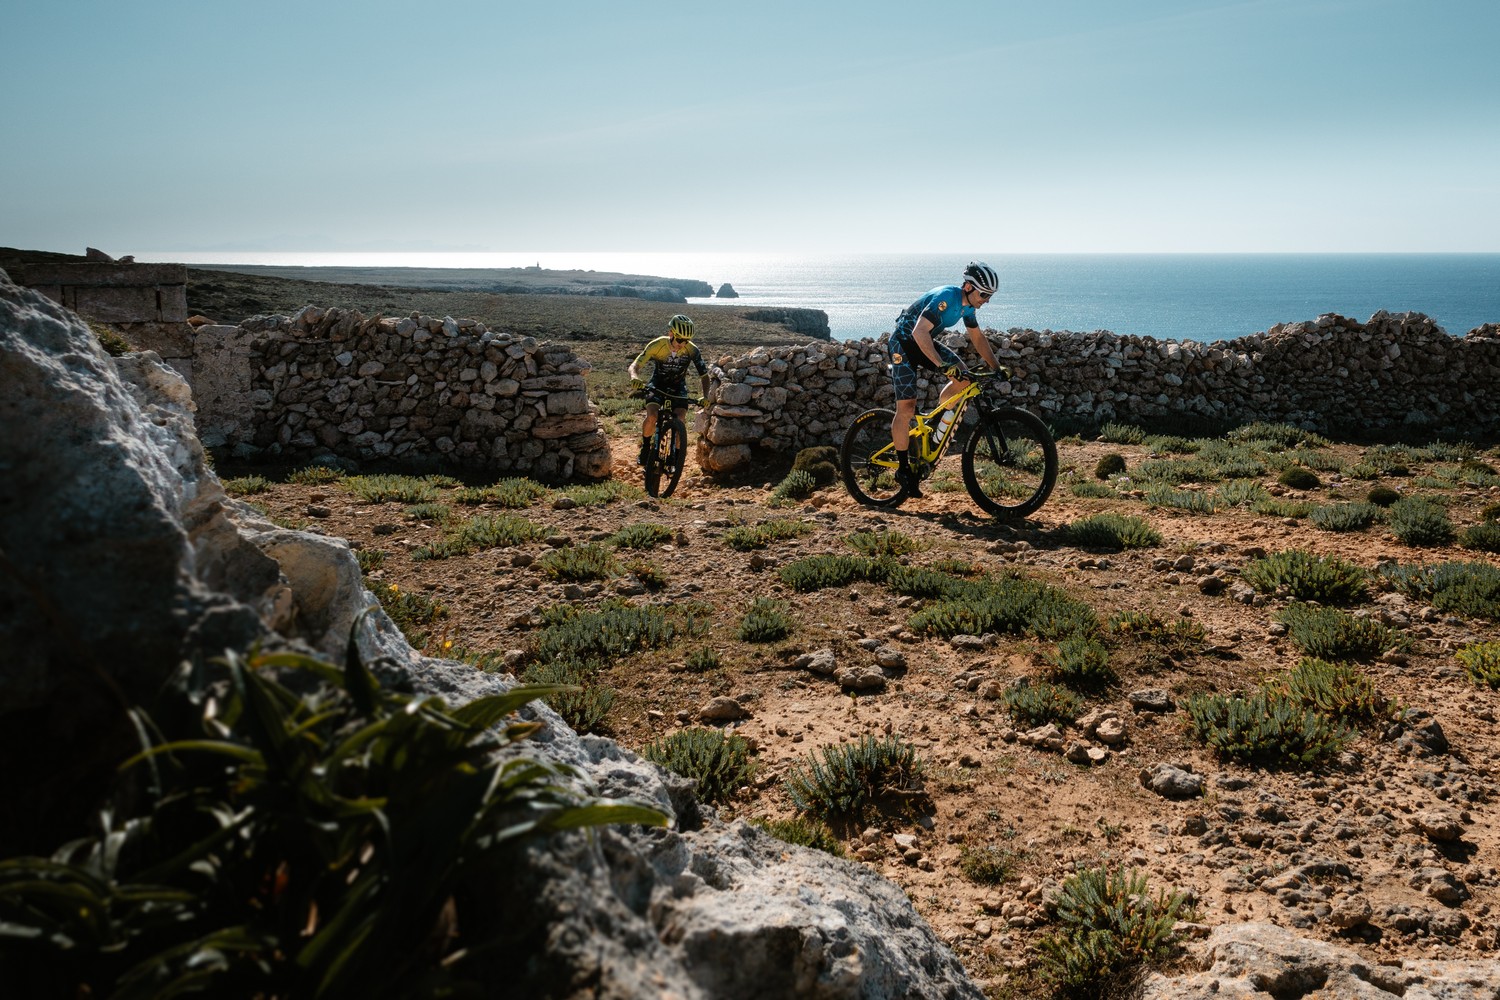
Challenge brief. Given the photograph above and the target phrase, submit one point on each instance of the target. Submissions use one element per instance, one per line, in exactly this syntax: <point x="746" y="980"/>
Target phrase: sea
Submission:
<point x="1199" y="297"/>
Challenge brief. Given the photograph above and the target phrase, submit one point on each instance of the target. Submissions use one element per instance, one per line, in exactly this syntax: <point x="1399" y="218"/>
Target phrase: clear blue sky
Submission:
<point x="514" y="125"/>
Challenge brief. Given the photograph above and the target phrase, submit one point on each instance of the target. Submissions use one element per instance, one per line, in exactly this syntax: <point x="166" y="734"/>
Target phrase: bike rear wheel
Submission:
<point x="1010" y="463"/>
<point x="867" y="460"/>
<point x="671" y="457"/>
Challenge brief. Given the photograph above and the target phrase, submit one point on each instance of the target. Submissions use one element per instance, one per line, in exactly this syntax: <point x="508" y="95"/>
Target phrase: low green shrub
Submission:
<point x="1481" y="660"/>
<point x="1192" y="501"/>
<point x="617" y="629"/>
<point x="1112" y="927"/>
<point x="804" y="832"/>
<point x="1081" y="662"/>
<point x="767" y="621"/>
<point x="1481" y="537"/>
<point x="1281" y="435"/>
<point x="1242" y="492"/>
<point x="1010" y="605"/>
<point x="1490" y="512"/>
<point x="819" y="572"/>
<point x="1122" y="433"/>
<point x="314" y="475"/>
<point x="1299" y="477"/>
<point x="386" y="488"/>
<point x="876" y="544"/>
<point x="1419" y="522"/>
<point x="437" y="513"/>
<point x="1112" y="464"/>
<point x="1307" y="577"/>
<point x="1344" y="516"/>
<point x="1277" y="507"/>
<point x="580" y="562"/>
<point x="1392" y="459"/>
<point x="1090" y="490"/>
<point x="478" y="534"/>
<point x="914" y="581"/>
<point x="1111" y="532"/>
<point x="1382" y="496"/>
<point x="719" y="763"/>
<point x="600" y="493"/>
<point x="847" y="780"/>
<point x="1331" y="634"/>
<point x="581" y="702"/>
<point x="1340" y="691"/>
<point x="820" y="460"/>
<point x="1268" y="727"/>
<point x="799" y="484"/>
<point x="1168" y="444"/>
<point x="514" y="494"/>
<point x="640" y="536"/>
<point x="246" y="486"/>
<point x="1466" y="588"/>
<point x="1037" y="703"/>
<point x="744" y="537"/>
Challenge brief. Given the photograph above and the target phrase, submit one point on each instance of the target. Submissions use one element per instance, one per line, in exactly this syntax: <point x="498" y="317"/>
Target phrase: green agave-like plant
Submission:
<point x="343" y="842"/>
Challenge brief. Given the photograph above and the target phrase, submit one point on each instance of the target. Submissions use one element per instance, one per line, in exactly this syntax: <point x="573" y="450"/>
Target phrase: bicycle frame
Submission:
<point x="928" y="447"/>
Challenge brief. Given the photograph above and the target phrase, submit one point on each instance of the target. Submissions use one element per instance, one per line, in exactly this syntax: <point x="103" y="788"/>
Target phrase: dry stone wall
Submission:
<point x="417" y="390"/>
<point x="1394" y="373"/>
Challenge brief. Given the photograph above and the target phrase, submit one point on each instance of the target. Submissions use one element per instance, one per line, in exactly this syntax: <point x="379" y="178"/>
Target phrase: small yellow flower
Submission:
<point x="447" y="643"/>
<point x="395" y="589"/>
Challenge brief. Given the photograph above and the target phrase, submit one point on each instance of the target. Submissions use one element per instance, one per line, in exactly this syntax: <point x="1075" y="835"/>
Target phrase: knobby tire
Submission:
<point x="1010" y="463"/>
<point x="871" y="485"/>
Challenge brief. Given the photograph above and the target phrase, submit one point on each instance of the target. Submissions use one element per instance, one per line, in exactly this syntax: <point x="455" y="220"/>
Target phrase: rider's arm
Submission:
<point x="982" y="345"/>
<point x="921" y="335"/>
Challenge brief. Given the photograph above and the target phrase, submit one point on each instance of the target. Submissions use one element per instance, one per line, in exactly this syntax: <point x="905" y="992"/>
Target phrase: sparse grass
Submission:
<point x="514" y="494"/>
<point x="640" y="536"/>
<point x="1037" y="703"/>
<point x="988" y="863"/>
<point x="1331" y="634"/>
<point x="1471" y="589"/>
<point x="478" y="534"/>
<point x="1268" y="727"/>
<point x="1481" y="537"/>
<point x="411" y="611"/>
<point x="1122" y="433"/>
<point x="1112" y="928"/>
<point x="846" y="781"/>
<point x="1344" y="516"/>
<point x="314" y="475"/>
<point x="744" y="537"/>
<point x="1419" y="522"/>
<point x="799" y="484"/>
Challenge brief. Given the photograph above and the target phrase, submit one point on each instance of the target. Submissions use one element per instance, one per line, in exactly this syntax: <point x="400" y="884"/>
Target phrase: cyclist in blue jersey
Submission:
<point x="912" y="346"/>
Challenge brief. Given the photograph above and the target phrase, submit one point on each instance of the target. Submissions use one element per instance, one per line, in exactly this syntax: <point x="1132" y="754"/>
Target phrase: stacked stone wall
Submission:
<point x="1393" y="374"/>
<point x="416" y="390"/>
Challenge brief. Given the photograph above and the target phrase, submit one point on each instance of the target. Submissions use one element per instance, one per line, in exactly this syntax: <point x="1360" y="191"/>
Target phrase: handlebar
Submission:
<point x="654" y="395"/>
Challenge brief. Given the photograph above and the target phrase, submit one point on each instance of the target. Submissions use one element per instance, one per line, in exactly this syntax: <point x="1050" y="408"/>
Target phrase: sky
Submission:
<point x="738" y="126"/>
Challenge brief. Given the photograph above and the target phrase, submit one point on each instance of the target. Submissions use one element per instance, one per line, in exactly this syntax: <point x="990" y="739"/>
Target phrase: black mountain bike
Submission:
<point x="667" y="453"/>
<point x="1008" y="462"/>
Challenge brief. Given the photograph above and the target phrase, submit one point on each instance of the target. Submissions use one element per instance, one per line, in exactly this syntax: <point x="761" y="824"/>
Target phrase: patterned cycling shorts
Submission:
<point x="907" y="357"/>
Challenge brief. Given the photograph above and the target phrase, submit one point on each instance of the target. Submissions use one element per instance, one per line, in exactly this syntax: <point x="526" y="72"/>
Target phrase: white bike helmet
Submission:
<point x="982" y="276"/>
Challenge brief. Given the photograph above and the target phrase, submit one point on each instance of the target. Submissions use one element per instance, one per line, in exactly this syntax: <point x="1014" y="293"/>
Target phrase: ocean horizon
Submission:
<point x="1199" y="297"/>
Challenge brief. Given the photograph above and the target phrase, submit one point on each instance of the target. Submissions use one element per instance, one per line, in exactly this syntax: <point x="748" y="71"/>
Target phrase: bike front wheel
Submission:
<point x="1010" y="463"/>
<point x="867" y="460"/>
<point x="664" y="464"/>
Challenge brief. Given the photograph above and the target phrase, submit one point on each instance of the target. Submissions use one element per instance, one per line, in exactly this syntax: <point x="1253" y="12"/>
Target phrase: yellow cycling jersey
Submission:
<point x="671" y="368"/>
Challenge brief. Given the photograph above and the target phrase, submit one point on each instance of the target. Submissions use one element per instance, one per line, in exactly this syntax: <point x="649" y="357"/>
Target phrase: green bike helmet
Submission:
<point x="681" y="327"/>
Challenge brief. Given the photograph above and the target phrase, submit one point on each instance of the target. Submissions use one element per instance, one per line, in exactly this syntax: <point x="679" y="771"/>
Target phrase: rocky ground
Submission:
<point x="1391" y="851"/>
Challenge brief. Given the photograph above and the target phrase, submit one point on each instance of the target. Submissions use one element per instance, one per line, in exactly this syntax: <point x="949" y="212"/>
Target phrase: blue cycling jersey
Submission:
<point x="942" y="306"/>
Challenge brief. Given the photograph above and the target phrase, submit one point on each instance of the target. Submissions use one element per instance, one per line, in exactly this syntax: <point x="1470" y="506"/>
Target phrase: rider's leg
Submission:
<point x="906" y="409"/>
<point x="648" y="427"/>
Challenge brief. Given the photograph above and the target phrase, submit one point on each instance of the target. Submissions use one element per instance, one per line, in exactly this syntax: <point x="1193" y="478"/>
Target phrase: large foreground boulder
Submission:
<point x="124" y="566"/>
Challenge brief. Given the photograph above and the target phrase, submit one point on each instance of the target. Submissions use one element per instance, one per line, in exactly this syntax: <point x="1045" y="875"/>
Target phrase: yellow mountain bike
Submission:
<point x="1008" y="458"/>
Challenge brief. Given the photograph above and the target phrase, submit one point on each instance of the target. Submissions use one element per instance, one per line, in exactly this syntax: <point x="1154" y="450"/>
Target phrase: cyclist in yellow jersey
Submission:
<point x="670" y="356"/>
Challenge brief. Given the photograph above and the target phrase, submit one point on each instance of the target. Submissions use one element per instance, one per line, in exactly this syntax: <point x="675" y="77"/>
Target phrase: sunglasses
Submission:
<point x="983" y="296"/>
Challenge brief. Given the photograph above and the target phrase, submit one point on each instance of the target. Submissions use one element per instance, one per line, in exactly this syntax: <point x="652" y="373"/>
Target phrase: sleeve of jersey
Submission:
<point x="646" y="354"/>
<point x="971" y="321"/>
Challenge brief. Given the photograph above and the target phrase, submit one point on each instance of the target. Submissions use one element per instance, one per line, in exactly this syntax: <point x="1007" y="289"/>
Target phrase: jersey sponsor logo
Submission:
<point x="942" y="306"/>
<point x="896" y="358"/>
